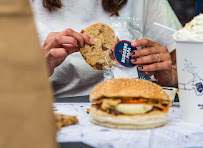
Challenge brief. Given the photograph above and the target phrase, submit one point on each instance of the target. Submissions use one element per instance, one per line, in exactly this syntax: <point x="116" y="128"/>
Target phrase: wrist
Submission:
<point x="174" y="79"/>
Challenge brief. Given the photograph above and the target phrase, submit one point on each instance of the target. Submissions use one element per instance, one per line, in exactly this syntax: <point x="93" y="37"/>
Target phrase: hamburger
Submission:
<point x="129" y="104"/>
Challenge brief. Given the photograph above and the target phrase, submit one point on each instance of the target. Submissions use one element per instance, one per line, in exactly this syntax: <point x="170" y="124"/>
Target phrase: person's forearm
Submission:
<point x="174" y="82"/>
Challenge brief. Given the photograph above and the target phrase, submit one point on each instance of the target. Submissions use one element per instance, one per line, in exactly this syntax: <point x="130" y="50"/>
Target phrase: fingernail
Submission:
<point x="134" y="59"/>
<point x="140" y="67"/>
<point x="134" y="44"/>
<point x="78" y="44"/>
<point x="91" y="41"/>
<point x="132" y="52"/>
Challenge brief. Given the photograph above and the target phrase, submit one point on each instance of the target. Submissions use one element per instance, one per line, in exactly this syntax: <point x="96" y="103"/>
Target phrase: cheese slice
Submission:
<point x="133" y="108"/>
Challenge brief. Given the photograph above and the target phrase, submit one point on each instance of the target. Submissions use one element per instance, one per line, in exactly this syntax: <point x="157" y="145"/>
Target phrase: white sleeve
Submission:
<point x="161" y="12"/>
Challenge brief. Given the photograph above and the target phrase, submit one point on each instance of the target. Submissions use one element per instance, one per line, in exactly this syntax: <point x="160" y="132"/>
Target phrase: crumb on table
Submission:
<point x="65" y="120"/>
<point x="88" y="110"/>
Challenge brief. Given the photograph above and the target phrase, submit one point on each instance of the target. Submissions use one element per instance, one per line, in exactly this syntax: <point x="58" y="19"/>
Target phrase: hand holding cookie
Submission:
<point x="100" y="54"/>
<point x="58" y="45"/>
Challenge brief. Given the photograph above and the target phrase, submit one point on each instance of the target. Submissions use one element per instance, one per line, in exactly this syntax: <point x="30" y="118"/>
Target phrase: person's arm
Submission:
<point x="58" y="45"/>
<point x="160" y="11"/>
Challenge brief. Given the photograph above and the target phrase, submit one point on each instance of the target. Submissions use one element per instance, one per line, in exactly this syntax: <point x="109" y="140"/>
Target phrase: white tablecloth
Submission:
<point x="176" y="133"/>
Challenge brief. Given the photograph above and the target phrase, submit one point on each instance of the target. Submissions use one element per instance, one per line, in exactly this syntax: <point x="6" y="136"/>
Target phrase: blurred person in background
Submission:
<point x="59" y="24"/>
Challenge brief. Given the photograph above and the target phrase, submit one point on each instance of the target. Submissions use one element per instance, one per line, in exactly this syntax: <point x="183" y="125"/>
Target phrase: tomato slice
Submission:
<point x="99" y="102"/>
<point x="164" y="108"/>
<point x="134" y="101"/>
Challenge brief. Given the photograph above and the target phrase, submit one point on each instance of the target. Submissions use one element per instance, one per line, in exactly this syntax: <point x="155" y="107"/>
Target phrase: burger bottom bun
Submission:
<point x="152" y="119"/>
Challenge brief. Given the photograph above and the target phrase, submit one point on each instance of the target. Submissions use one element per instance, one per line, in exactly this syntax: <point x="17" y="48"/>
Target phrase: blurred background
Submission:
<point x="186" y="9"/>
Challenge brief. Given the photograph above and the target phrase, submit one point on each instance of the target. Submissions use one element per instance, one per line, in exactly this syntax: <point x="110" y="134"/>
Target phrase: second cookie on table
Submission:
<point x="100" y="54"/>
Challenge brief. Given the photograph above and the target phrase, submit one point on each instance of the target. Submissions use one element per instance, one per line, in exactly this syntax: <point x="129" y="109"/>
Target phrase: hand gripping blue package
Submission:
<point x="127" y="30"/>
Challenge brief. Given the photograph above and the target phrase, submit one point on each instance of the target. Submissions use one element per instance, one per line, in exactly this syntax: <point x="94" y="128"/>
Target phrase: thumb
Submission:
<point x="87" y="39"/>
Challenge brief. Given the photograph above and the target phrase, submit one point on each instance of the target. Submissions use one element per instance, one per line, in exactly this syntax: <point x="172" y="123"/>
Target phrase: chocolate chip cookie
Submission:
<point x="64" y="120"/>
<point x="100" y="54"/>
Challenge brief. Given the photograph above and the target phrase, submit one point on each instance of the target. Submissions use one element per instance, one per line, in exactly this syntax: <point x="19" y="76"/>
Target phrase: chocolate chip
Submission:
<point x="82" y="31"/>
<point x="104" y="48"/>
<point x="100" y="31"/>
<point x="92" y="48"/>
<point x="111" y="55"/>
<point x="98" y="66"/>
<point x="103" y="26"/>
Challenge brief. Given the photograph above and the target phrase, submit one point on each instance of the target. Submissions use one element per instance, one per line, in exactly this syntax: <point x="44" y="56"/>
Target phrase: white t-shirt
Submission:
<point x="74" y="77"/>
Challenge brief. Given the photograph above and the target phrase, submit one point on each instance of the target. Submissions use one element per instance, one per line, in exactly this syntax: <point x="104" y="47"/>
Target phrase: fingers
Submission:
<point x="149" y="51"/>
<point x="49" y="38"/>
<point x="55" y="57"/>
<point x="145" y="52"/>
<point x="68" y="36"/>
<point x="87" y="39"/>
<point x="59" y="40"/>
<point x="70" y="48"/>
<point x="57" y="52"/>
<point x="152" y="58"/>
<point x="60" y="44"/>
<point x="52" y="34"/>
<point x="165" y="65"/>
<point x="145" y="43"/>
<point x="81" y="38"/>
<point x="76" y="35"/>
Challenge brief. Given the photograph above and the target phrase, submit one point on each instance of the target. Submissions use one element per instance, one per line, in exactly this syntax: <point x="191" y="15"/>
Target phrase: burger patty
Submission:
<point x="115" y="112"/>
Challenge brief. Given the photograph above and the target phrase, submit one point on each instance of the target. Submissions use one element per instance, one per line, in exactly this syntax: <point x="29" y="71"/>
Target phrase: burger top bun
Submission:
<point x="128" y="87"/>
